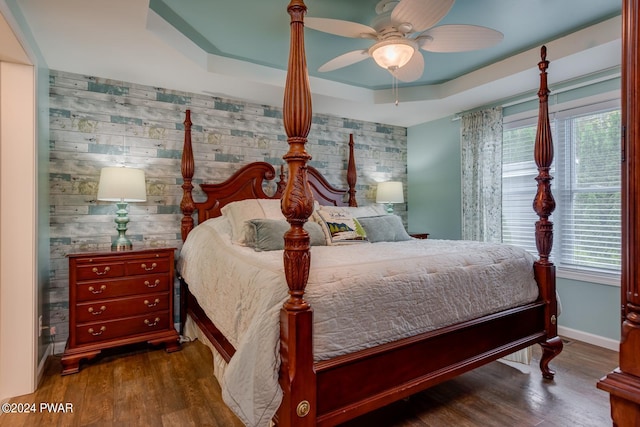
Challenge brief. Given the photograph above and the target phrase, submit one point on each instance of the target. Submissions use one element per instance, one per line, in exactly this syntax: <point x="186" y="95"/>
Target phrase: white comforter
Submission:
<point x="362" y="295"/>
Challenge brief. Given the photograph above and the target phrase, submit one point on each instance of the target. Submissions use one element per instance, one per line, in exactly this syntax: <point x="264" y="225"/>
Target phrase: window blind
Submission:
<point x="586" y="186"/>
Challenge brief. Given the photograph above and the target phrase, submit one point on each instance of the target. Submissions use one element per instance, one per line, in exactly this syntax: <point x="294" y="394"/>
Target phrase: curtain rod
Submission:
<point x="521" y="99"/>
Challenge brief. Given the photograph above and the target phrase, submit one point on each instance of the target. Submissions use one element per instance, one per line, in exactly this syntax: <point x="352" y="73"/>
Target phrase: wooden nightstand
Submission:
<point x="419" y="235"/>
<point x="118" y="298"/>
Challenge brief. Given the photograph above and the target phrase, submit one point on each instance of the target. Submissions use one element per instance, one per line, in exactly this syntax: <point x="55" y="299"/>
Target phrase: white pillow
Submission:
<point x="271" y="208"/>
<point x="241" y="211"/>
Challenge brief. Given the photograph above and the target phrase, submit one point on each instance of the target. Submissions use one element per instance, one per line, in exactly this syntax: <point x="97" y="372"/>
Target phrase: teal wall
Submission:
<point x="433" y="179"/>
<point x="590" y="307"/>
<point x="434" y="206"/>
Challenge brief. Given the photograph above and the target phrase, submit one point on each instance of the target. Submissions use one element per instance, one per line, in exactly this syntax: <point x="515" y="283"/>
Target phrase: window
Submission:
<point x="586" y="187"/>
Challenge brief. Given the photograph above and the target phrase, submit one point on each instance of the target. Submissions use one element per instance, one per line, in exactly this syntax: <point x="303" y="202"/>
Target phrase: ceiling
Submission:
<point x="239" y="49"/>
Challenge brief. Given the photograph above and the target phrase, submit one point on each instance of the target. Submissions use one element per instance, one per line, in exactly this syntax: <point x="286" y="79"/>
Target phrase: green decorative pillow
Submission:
<point x="384" y="228"/>
<point x="340" y="226"/>
<point x="265" y="234"/>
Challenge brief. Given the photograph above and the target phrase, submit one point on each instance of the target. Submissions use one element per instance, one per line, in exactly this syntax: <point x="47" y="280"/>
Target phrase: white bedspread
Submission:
<point x="362" y="295"/>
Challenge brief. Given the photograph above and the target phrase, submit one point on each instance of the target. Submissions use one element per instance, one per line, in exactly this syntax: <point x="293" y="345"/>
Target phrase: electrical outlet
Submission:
<point x="40" y="325"/>
<point x="52" y="330"/>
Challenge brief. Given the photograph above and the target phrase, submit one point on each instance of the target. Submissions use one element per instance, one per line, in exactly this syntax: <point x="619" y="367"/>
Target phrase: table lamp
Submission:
<point x="388" y="193"/>
<point x="122" y="185"/>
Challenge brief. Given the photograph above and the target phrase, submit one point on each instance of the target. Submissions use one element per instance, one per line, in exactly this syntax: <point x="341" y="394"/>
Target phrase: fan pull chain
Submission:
<point x="394" y="88"/>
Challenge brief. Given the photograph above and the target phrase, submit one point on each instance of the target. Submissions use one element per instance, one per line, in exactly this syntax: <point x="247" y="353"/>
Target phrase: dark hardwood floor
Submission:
<point x="148" y="387"/>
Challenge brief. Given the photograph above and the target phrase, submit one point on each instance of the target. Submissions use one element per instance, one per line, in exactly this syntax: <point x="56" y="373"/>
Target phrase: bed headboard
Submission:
<point x="249" y="182"/>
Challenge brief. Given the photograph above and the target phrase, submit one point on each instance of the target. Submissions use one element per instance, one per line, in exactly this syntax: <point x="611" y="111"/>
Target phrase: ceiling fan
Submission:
<point x="400" y="30"/>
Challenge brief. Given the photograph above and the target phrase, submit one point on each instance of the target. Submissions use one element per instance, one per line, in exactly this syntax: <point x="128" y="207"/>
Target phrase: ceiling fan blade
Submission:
<point x="412" y="70"/>
<point x="421" y="14"/>
<point x="340" y="27"/>
<point x="458" y="38"/>
<point x="344" y="60"/>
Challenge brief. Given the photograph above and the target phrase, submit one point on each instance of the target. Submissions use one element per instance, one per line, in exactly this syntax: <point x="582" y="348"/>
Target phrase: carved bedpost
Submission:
<point x="623" y="384"/>
<point x="187" y="168"/>
<point x="297" y="377"/>
<point x="544" y="205"/>
<point x="352" y="175"/>
<point x="282" y="182"/>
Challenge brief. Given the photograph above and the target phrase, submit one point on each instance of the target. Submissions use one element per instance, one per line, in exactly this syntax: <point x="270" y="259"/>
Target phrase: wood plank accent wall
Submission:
<point x="97" y="122"/>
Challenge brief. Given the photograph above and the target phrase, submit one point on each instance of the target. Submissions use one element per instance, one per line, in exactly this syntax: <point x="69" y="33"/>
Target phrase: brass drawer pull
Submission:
<point x="155" y="322"/>
<point x="152" y="304"/>
<point x="94" y="333"/>
<point x="95" y="313"/>
<point x="106" y="270"/>
<point x="153" y="266"/>
<point x="149" y="285"/>
<point x="99" y="291"/>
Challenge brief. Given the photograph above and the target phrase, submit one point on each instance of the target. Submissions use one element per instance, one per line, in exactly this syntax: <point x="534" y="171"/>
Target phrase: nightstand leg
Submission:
<point x="171" y="347"/>
<point x="171" y="342"/>
<point x="71" y="361"/>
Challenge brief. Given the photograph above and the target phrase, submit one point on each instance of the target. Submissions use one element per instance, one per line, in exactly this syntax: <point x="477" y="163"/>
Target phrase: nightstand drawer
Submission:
<point x="91" y="291"/>
<point x="99" y="270"/>
<point x="148" y="266"/>
<point x="102" y="331"/>
<point x="121" y="307"/>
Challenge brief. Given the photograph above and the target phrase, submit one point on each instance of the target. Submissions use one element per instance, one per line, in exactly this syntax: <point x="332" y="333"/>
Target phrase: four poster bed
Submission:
<point x="318" y="326"/>
<point x="623" y="384"/>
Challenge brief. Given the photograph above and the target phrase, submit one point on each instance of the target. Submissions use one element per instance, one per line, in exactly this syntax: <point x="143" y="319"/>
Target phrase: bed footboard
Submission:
<point x="357" y="383"/>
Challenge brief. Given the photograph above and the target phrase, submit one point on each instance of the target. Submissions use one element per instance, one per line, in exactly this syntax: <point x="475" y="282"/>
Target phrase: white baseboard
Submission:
<point x="58" y="347"/>
<point x="43" y="361"/>
<point x="589" y="338"/>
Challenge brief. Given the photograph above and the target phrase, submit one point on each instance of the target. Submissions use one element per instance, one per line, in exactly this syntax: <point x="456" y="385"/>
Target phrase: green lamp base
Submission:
<point x="121" y="243"/>
<point x="389" y="208"/>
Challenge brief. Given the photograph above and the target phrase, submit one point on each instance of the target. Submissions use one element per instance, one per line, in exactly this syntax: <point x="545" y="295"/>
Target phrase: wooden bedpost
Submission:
<point x="282" y="183"/>
<point x="297" y="377"/>
<point x="352" y="175"/>
<point x="623" y="384"/>
<point x="544" y="205"/>
<point x="187" y="167"/>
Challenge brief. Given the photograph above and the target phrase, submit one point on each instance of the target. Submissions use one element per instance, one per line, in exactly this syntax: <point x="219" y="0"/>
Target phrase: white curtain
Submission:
<point x="481" y="139"/>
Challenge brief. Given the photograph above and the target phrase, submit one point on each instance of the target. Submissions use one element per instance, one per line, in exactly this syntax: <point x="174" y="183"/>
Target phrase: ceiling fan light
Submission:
<point x="392" y="54"/>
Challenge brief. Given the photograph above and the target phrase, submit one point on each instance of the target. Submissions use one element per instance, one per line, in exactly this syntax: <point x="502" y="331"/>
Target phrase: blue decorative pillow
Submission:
<point x="241" y="211"/>
<point x="384" y="228"/>
<point x="265" y="234"/>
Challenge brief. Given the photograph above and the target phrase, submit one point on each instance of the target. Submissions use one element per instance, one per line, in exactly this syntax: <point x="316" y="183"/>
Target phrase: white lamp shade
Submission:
<point x="392" y="54"/>
<point x="122" y="184"/>
<point x="390" y="192"/>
